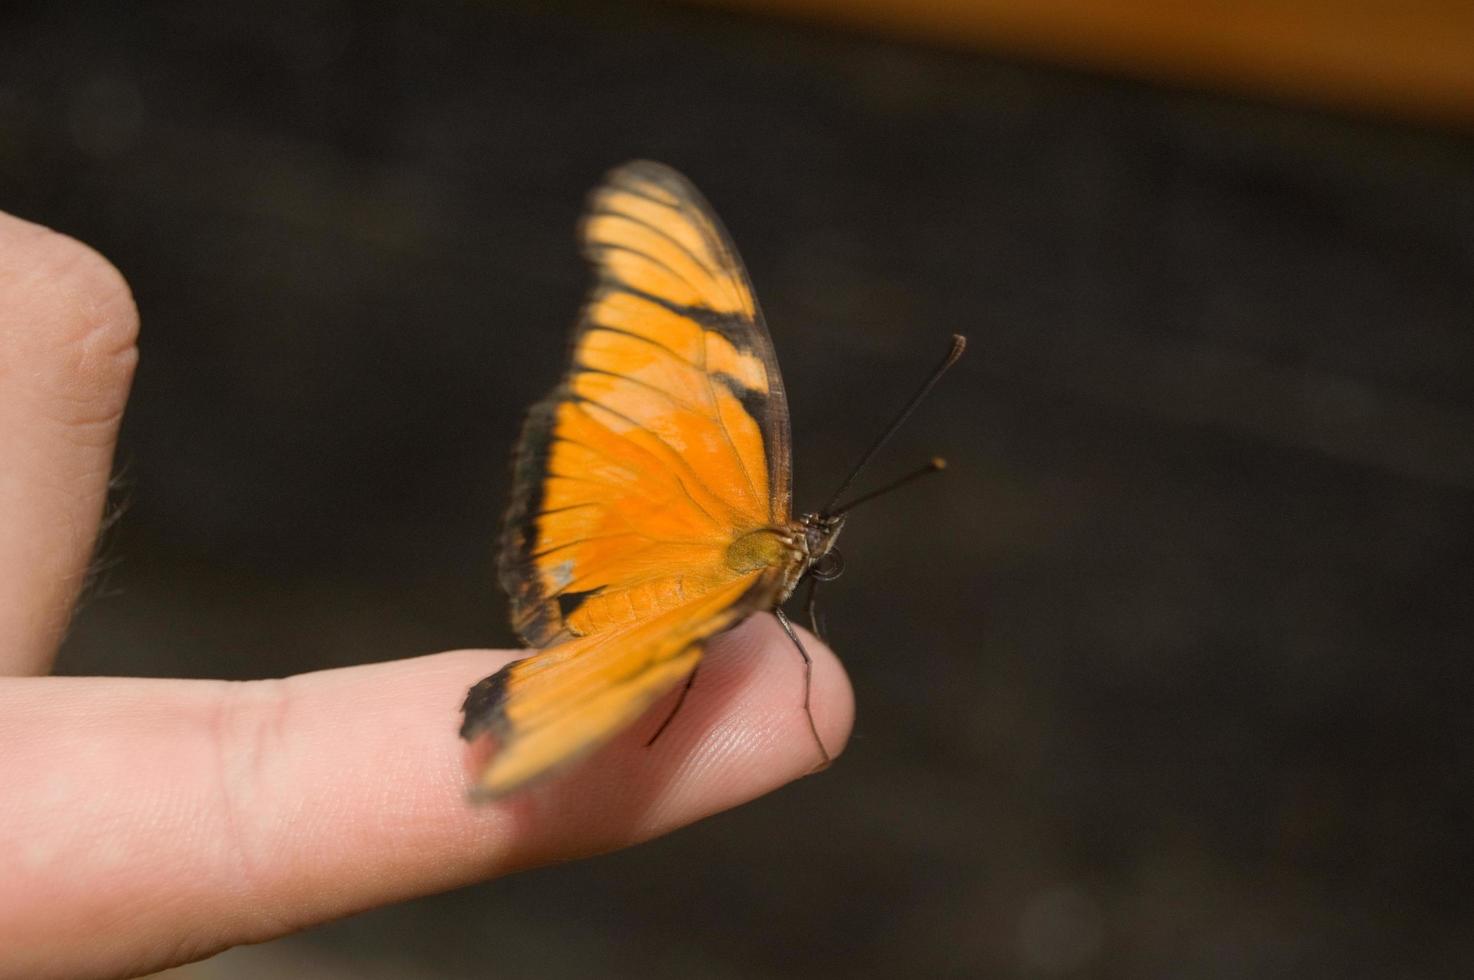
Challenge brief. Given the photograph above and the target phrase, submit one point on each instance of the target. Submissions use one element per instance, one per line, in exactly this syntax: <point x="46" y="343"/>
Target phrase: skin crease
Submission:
<point x="145" y="823"/>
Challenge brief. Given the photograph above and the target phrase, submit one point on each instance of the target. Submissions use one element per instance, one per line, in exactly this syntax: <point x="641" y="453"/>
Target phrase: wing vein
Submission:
<point x="674" y="354"/>
<point x="676" y="476"/>
<point x="594" y="537"/>
<point x="630" y="250"/>
<point x="662" y="233"/>
<point x="680" y="457"/>
<point x="680" y="403"/>
<point x="722" y="424"/>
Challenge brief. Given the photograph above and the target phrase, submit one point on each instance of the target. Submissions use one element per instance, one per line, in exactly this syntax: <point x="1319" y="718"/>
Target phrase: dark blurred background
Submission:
<point x="1168" y="677"/>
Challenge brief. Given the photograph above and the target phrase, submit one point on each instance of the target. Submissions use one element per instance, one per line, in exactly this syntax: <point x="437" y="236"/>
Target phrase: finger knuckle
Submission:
<point x="247" y="727"/>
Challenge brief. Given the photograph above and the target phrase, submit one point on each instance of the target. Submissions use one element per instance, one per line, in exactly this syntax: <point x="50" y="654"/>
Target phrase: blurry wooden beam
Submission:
<point x="1411" y="58"/>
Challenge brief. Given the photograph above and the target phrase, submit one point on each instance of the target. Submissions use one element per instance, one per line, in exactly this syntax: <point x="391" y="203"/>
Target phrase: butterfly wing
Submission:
<point x="667" y="438"/>
<point x="552" y="708"/>
<point x="666" y="441"/>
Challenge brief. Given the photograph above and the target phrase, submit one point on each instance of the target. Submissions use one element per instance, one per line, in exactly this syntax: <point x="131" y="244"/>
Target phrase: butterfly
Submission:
<point x="652" y="489"/>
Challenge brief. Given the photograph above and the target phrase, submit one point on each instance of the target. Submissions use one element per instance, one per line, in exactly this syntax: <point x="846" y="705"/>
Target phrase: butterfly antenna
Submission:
<point x="959" y="344"/>
<point x="936" y="465"/>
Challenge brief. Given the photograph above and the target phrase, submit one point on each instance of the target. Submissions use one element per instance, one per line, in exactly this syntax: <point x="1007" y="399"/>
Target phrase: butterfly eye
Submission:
<point x="828" y="567"/>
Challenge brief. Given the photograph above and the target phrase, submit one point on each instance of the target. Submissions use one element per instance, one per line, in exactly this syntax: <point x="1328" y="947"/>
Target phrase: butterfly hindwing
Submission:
<point x="668" y="436"/>
<point x="555" y="706"/>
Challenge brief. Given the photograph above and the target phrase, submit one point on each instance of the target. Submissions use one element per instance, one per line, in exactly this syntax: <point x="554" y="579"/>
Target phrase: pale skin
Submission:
<point x="145" y="823"/>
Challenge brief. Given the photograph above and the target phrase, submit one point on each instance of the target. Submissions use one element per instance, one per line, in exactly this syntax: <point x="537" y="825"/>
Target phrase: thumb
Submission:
<point x="67" y="334"/>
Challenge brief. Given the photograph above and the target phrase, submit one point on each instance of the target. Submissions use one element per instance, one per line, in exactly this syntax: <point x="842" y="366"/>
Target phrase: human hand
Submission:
<point x="145" y="823"/>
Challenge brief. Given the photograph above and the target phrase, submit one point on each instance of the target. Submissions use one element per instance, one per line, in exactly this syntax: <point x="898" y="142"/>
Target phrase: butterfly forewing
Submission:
<point x="666" y="441"/>
<point x="668" y="436"/>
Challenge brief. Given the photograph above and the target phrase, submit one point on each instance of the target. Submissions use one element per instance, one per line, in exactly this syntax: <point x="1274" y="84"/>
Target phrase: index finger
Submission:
<point x="150" y="822"/>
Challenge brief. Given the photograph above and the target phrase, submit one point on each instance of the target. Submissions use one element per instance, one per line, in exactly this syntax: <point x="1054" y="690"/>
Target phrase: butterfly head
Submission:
<point x="820" y="532"/>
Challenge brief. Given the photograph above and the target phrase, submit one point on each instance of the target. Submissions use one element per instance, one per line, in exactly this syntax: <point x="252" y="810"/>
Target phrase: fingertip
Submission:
<point x="779" y="687"/>
<point x="68" y="311"/>
<point x="741" y="733"/>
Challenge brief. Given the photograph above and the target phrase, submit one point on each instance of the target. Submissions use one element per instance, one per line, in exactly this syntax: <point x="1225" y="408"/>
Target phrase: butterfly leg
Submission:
<point x="824" y="758"/>
<point x="811" y="610"/>
<point x="680" y="700"/>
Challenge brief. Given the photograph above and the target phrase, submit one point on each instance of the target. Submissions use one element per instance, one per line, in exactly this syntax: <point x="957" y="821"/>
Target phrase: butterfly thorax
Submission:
<point x="801" y="547"/>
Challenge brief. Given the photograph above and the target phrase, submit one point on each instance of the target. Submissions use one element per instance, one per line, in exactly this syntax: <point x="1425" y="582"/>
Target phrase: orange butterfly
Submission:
<point x="652" y="487"/>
